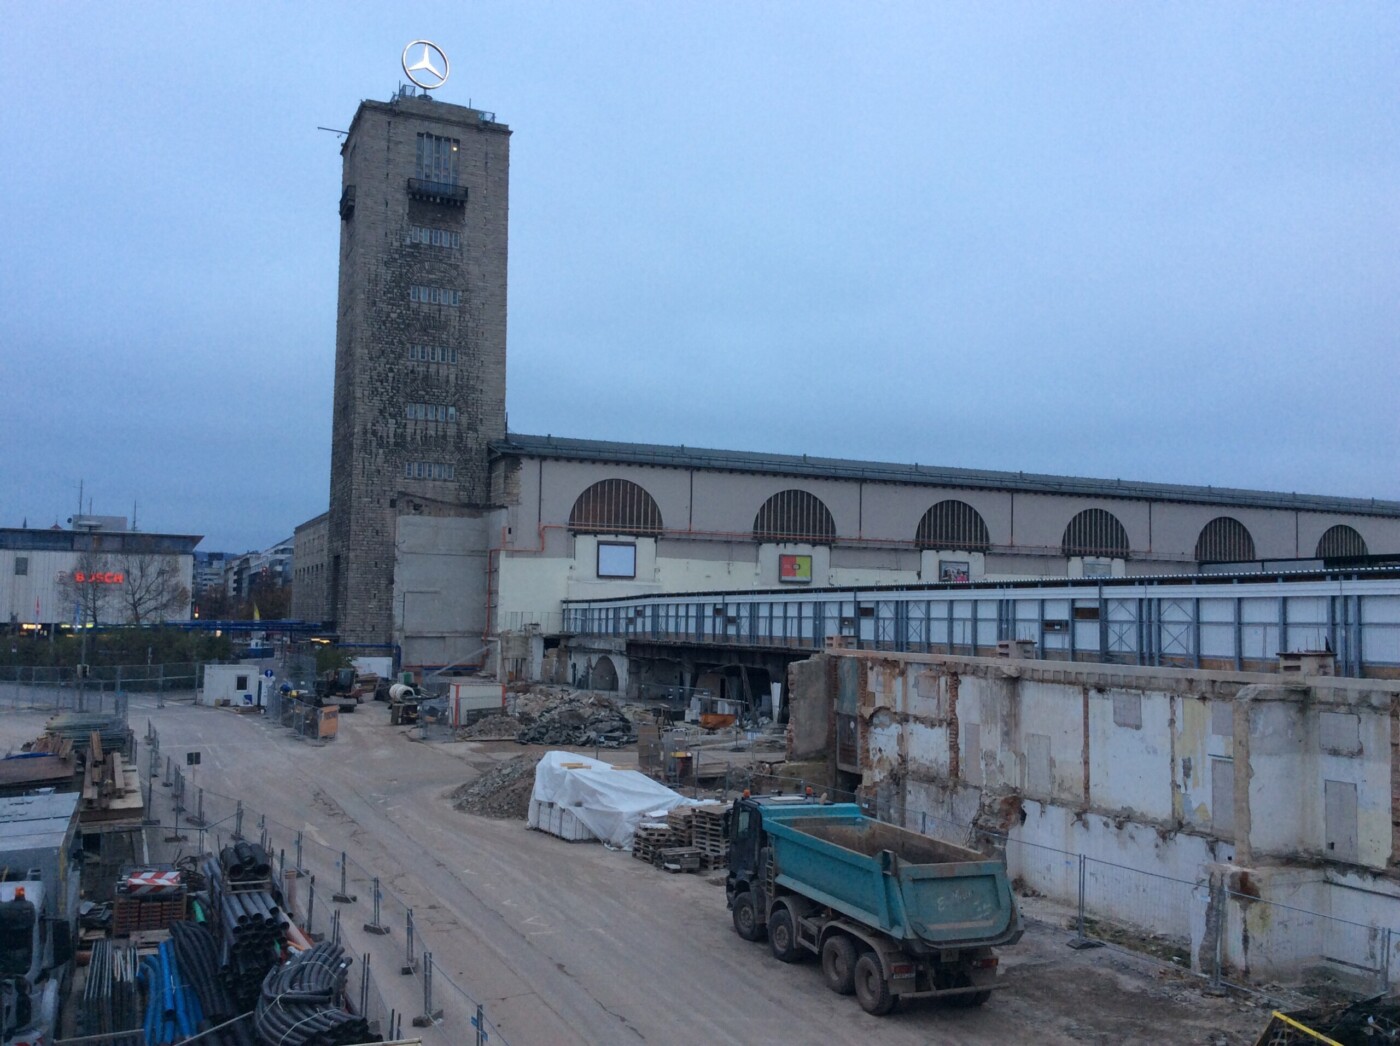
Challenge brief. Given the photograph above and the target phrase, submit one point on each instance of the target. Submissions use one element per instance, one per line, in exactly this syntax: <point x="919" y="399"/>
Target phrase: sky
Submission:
<point x="1142" y="241"/>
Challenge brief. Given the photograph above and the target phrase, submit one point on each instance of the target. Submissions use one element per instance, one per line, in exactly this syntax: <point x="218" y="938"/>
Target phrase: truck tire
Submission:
<point x="839" y="959"/>
<point x="782" y="935"/>
<point x="872" y="990"/>
<point x="746" y="923"/>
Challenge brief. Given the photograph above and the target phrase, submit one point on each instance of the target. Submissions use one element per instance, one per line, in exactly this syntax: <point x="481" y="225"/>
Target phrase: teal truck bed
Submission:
<point x="914" y="888"/>
<point x="891" y="913"/>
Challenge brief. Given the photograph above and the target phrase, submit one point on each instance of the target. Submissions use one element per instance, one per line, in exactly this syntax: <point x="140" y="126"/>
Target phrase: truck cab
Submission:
<point x="34" y="954"/>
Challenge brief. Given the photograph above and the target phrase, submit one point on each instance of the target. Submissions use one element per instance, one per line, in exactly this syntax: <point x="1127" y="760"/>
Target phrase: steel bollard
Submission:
<point x="335" y="926"/>
<point x="479" y="1023"/>
<point x="238" y="822"/>
<point x="375" y="926"/>
<point x="410" y="964"/>
<point x="169" y="772"/>
<point x="345" y="896"/>
<point x="299" y="869"/>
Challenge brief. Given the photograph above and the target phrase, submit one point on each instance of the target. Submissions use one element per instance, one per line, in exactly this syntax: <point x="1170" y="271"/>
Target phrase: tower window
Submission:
<point x="430" y="412"/>
<point x="432" y="354"/>
<point x="437" y="158"/>
<point x="434" y="295"/>
<point x="434" y="237"/>
<point x="430" y="470"/>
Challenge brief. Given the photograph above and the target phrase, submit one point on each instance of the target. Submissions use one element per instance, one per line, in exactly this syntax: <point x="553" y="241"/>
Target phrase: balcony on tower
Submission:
<point x="449" y="193"/>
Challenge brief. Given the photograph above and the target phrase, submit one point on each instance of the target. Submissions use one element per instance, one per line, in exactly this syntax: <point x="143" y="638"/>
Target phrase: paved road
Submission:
<point x="572" y="943"/>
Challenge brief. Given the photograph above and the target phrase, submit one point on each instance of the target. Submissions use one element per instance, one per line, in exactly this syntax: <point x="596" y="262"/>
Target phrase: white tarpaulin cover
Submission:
<point x="610" y="802"/>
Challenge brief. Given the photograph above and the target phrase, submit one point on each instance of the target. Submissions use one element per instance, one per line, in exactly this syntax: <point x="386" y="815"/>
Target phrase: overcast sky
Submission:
<point x="1147" y="241"/>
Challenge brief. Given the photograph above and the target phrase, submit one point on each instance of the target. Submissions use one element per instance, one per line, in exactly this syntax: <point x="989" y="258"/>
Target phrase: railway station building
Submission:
<point x="446" y="535"/>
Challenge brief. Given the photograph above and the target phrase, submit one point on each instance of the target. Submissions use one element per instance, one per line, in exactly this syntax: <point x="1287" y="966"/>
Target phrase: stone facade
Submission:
<point x="310" y="579"/>
<point x="420" y="338"/>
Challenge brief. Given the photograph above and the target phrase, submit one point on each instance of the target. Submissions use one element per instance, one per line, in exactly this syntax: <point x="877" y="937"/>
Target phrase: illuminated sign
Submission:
<point x="97" y="578"/>
<point x="795" y="569"/>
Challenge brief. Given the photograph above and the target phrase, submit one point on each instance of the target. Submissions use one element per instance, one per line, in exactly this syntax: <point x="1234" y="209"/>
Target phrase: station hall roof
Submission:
<point x="806" y="466"/>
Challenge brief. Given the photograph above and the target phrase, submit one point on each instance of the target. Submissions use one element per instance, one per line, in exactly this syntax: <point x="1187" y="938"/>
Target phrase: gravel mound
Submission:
<point x="493" y="728"/>
<point x="503" y="792"/>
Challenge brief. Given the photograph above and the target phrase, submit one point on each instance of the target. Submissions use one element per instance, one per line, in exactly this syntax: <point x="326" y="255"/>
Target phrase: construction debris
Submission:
<point x="580" y="723"/>
<point x="493" y="728"/>
<point x="503" y="792"/>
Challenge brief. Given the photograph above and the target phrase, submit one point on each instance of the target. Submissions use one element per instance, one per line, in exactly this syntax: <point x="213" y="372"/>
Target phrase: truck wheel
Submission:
<point x="746" y="918"/>
<point x="872" y="990"/>
<point x="839" y="964"/>
<point x="782" y="935"/>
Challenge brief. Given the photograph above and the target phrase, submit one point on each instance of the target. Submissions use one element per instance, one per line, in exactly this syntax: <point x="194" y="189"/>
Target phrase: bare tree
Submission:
<point x="91" y="587"/>
<point x="150" y="589"/>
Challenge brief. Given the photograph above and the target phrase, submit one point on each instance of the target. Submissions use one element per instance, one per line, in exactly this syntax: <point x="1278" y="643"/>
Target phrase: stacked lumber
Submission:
<point x="78" y="729"/>
<point x="111" y="785"/>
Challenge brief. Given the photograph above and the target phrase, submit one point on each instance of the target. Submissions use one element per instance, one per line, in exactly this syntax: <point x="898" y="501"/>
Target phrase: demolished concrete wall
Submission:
<point x="809" y="715"/>
<point x="1150" y="778"/>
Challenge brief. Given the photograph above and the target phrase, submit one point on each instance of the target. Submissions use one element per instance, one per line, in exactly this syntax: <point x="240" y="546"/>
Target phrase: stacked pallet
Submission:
<point x="679" y="859"/>
<point x="680" y="820"/>
<point x="707" y="834"/>
<point x="650" y="838"/>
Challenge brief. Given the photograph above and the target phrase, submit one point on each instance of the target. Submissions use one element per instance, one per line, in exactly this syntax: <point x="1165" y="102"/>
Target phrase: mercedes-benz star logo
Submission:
<point x="431" y="67"/>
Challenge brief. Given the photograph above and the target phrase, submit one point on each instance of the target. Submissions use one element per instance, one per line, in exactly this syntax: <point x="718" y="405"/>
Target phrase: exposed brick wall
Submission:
<point x="372" y="438"/>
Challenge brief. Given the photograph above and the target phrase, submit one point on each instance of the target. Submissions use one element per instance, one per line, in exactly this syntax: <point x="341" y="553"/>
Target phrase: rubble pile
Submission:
<point x="503" y="792"/>
<point x="579" y="723"/>
<point x="493" y="728"/>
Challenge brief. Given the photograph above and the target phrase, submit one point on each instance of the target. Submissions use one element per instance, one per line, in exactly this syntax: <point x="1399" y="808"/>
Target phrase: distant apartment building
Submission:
<point x="310" y="593"/>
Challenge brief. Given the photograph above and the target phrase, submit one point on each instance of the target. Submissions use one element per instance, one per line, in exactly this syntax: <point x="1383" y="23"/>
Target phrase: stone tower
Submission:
<point x="420" y="360"/>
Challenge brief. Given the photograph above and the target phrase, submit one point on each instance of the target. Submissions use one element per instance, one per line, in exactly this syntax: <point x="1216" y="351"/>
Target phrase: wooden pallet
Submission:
<point x="679" y="859"/>
<point x="707" y="830"/>
<point x="649" y="839"/>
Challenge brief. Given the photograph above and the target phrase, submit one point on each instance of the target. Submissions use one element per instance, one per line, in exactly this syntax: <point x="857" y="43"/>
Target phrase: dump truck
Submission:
<point x="38" y="913"/>
<point x="892" y="914"/>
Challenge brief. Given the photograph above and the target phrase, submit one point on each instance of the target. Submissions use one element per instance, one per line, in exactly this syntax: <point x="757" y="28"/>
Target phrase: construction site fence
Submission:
<point x="407" y="990"/>
<point x="304" y="719"/>
<point x="1176" y="922"/>
<point x="46" y="686"/>
<point x="63" y="699"/>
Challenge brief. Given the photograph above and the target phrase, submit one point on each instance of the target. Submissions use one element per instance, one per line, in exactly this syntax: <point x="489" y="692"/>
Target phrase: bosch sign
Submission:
<point x="97" y="578"/>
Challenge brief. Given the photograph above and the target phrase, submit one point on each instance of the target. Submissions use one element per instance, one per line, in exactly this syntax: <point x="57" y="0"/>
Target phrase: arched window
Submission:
<point x="1341" y="542"/>
<point x="794" y="515"/>
<point x="1224" y="540"/>
<point x="953" y="525"/>
<point x="616" y="506"/>
<point x="1095" y="532"/>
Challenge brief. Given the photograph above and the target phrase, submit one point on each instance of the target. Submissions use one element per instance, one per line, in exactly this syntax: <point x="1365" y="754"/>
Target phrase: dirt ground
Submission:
<point x="574" y="943"/>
